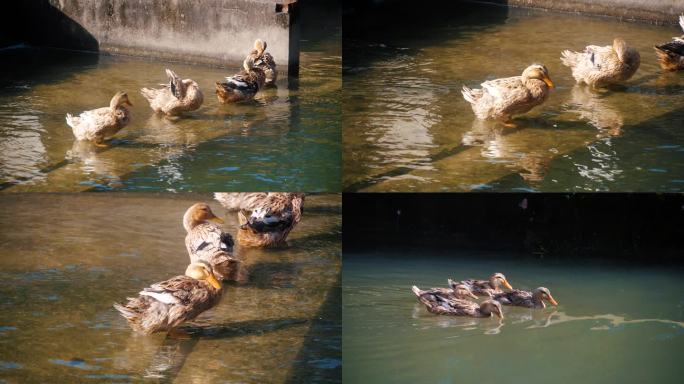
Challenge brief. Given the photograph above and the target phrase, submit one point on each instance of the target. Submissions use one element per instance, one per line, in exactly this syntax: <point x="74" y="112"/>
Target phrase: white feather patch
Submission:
<point x="163" y="297"/>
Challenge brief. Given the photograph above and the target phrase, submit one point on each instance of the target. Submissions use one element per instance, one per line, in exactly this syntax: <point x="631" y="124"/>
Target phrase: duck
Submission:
<point x="460" y="291"/>
<point x="98" y="124"/>
<point x="205" y="240"/>
<point x="501" y="99"/>
<point x="266" y="62"/>
<point x="176" y="97"/>
<point x="484" y="287"/>
<point x="243" y="85"/>
<point x="273" y="215"/>
<point x="671" y="54"/>
<point x="602" y="66"/>
<point x="165" y="305"/>
<point x="456" y="307"/>
<point x="534" y="299"/>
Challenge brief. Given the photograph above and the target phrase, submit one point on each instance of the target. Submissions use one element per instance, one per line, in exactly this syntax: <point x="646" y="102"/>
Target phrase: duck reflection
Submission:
<point x="528" y="161"/>
<point x="87" y="156"/>
<point x="595" y="108"/>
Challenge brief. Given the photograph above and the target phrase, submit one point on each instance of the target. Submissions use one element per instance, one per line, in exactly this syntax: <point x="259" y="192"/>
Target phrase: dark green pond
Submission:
<point x="613" y="324"/>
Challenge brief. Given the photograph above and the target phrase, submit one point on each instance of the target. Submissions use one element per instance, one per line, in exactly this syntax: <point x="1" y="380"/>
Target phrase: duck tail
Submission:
<point x="451" y="283"/>
<point x="568" y="58"/>
<point x="71" y="120"/>
<point x="470" y="95"/>
<point x="416" y="290"/>
<point x="125" y="311"/>
<point x="148" y="93"/>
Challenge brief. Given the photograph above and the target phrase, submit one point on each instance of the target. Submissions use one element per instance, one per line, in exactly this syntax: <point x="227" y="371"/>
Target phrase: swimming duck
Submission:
<point x="266" y="62"/>
<point x="534" y="299"/>
<point x="501" y="99"/>
<point x="484" y="287"/>
<point x="460" y="291"/>
<point x="165" y="305"/>
<point x="273" y="215"/>
<point x="176" y="97"/>
<point x="671" y="54"/>
<point x="97" y="124"/>
<point x="206" y="240"/>
<point x="243" y="85"/>
<point x="601" y="66"/>
<point x="457" y="307"/>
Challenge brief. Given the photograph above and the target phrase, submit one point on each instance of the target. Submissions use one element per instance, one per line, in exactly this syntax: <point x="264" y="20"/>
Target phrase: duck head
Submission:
<point x="498" y="279"/>
<point x="197" y="214"/>
<point x="119" y="100"/>
<point x="492" y="307"/>
<point x="461" y="291"/>
<point x="201" y="270"/>
<point x="542" y="293"/>
<point x="537" y="72"/>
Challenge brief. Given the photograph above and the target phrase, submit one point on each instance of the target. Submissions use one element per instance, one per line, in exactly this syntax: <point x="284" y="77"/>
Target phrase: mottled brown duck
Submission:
<point x="602" y="66"/>
<point x="266" y="218"/>
<point x="484" y="287"/>
<point x="99" y="124"/>
<point x="534" y="299"/>
<point x="166" y="305"/>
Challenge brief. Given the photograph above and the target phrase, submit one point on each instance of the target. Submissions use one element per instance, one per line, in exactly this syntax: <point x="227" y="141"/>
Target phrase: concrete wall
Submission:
<point x="656" y="11"/>
<point x="204" y="31"/>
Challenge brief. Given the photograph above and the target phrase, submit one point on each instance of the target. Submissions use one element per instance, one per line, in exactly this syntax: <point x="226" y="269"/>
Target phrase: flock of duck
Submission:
<point x="596" y="66"/>
<point x="177" y="97"/>
<point x="265" y="219"/>
<point x="454" y="300"/>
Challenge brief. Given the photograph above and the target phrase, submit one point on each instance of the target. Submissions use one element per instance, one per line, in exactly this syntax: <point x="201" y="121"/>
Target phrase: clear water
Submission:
<point x="287" y="139"/>
<point x="60" y="279"/>
<point x="407" y="127"/>
<point x="613" y="324"/>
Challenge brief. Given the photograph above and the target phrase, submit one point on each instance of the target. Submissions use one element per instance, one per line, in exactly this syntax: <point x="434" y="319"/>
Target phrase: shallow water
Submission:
<point x="61" y="278"/>
<point x="613" y="323"/>
<point x="287" y="139"/>
<point x="407" y="127"/>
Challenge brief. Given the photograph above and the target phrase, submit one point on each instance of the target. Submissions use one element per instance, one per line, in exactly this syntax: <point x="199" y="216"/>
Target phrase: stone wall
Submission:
<point x="202" y="31"/>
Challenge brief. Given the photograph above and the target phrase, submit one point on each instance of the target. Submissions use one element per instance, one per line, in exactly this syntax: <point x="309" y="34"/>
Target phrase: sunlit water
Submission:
<point x="407" y="127"/>
<point x="613" y="324"/>
<point x="63" y="266"/>
<point x="287" y="139"/>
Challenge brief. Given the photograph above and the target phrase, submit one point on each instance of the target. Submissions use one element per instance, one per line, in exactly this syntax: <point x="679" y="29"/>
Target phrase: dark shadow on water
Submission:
<point x="372" y="26"/>
<point x="320" y="358"/>
<point x="272" y="275"/>
<point x="174" y="351"/>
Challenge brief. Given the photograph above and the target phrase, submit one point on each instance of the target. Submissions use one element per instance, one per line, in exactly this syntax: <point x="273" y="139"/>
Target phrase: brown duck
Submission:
<point x="534" y="299"/>
<point x="485" y="287"/>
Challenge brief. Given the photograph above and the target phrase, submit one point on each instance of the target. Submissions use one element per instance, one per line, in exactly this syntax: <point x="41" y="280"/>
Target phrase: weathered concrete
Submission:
<point x="656" y="11"/>
<point x="214" y="32"/>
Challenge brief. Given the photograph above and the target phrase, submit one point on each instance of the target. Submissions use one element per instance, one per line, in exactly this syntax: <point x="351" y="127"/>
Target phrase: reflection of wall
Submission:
<point x="207" y="31"/>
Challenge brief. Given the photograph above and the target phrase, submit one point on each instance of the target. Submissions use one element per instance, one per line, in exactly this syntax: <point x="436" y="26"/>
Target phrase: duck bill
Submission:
<point x="217" y="219"/>
<point x="472" y="295"/>
<point x="548" y="81"/>
<point x="552" y="301"/>
<point x="507" y="285"/>
<point x="214" y="283"/>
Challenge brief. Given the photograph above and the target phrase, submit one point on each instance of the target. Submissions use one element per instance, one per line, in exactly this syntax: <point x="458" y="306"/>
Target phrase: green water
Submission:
<point x="407" y="128"/>
<point x="613" y="324"/>
<point x="287" y="139"/>
<point x="63" y="266"/>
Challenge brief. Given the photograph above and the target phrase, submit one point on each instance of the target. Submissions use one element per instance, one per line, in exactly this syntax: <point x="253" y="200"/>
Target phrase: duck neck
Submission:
<point x="189" y="223"/>
<point x="537" y="300"/>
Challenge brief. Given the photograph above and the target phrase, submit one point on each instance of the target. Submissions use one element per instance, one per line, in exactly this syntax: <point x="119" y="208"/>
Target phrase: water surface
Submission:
<point x="64" y="266"/>
<point x="407" y="127"/>
<point x="613" y="324"/>
<point x="287" y="139"/>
